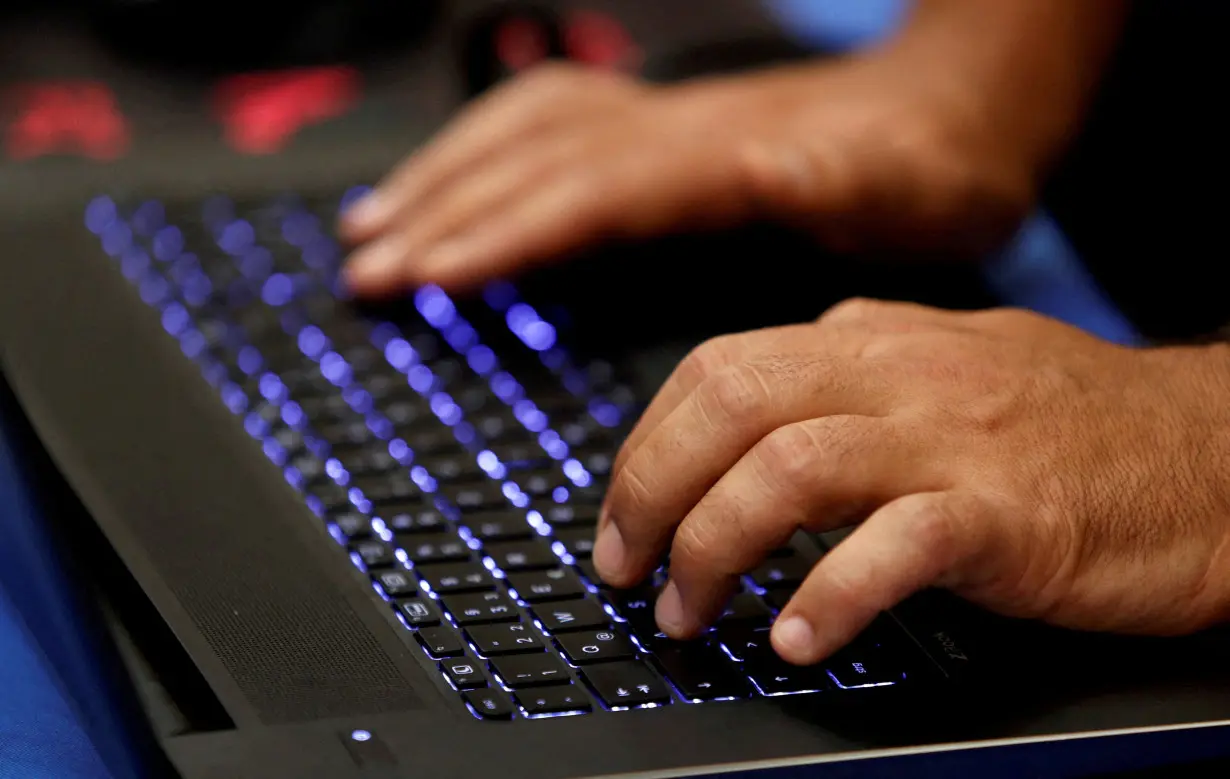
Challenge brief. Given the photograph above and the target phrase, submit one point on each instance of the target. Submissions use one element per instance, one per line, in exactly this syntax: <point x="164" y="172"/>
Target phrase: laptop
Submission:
<point x="311" y="537"/>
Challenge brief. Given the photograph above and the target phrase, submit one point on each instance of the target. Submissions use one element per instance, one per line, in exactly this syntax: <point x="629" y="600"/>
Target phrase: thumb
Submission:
<point x="910" y="544"/>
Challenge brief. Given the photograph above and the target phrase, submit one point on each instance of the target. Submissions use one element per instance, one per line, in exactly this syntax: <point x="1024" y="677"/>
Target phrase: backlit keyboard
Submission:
<point x="457" y="454"/>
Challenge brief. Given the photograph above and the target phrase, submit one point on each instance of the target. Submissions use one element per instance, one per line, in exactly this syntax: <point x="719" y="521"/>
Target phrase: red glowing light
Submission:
<point x="262" y="112"/>
<point x="67" y="117"/>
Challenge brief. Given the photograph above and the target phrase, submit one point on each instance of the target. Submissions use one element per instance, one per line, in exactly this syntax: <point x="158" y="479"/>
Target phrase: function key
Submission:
<point x="447" y="578"/>
<point x="596" y="646"/>
<point x="554" y="700"/>
<point x="555" y="583"/>
<point x="520" y="671"/>
<point x="626" y="684"/>
<point x="504" y="638"/>
<point x="489" y="703"/>
<point x="567" y="615"/>
<point x="440" y="642"/>
<point x="477" y="608"/>
<point x="419" y="612"/>
<point x="464" y="674"/>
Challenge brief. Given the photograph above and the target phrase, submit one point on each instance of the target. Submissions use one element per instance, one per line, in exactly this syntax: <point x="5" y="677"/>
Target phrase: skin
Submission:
<point x="1023" y="464"/>
<point x="933" y="144"/>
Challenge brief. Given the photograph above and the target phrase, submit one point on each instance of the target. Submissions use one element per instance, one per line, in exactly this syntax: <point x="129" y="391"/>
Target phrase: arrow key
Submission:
<point x="774" y="676"/>
<point x="626" y="684"/>
<point x="700" y="671"/>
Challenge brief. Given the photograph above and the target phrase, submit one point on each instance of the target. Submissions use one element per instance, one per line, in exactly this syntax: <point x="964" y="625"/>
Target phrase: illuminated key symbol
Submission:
<point x="541" y="589"/>
<point x="556" y="573"/>
<point x="643" y="688"/>
<point x="450" y="581"/>
<point x="488" y="704"/>
<point x="516" y="558"/>
<point x="858" y="668"/>
<point x="590" y="649"/>
<point x="604" y="637"/>
<point x="417" y="610"/>
<point x="563" y="617"/>
<point x="463" y="670"/>
<point x="621" y="692"/>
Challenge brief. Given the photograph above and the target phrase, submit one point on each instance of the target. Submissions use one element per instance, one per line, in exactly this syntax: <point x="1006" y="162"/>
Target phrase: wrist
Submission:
<point x="1025" y="70"/>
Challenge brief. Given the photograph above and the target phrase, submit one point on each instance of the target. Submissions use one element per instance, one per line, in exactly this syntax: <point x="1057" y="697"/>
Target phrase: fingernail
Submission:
<point x="669" y="611"/>
<point x="794" y="638"/>
<point x="609" y="551"/>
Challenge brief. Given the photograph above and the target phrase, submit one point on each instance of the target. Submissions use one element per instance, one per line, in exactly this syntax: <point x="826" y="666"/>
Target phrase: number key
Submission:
<point x="503" y="639"/>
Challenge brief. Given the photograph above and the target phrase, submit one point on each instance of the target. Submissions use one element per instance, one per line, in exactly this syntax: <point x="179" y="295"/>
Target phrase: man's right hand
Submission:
<point x="884" y="151"/>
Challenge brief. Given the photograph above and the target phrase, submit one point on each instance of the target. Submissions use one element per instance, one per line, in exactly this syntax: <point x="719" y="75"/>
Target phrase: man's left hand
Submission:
<point x="1022" y="464"/>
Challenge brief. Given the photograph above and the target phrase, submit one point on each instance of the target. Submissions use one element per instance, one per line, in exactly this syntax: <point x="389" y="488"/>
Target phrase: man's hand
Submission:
<point x="1022" y="464"/>
<point x="874" y="153"/>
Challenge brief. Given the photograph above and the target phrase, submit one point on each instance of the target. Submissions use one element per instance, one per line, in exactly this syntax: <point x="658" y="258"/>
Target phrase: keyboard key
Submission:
<point x="459" y="469"/>
<point x="521" y="555"/>
<point x="626" y="684"/>
<point x="746" y="607"/>
<point x="555" y="583"/>
<point x="857" y="666"/>
<point x="587" y="569"/>
<point x="352" y="525"/>
<point x="479" y="497"/>
<point x="435" y="548"/>
<point x="504" y="639"/>
<point x="520" y="671"/>
<point x="783" y="572"/>
<point x="477" y="608"/>
<point x="778" y="598"/>
<point x="774" y="676"/>
<point x="596" y="646"/>
<point x="440" y="642"/>
<point x="411" y="518"/>
<point x="571" y="516"/>
<point x="700" y="671"/>
<point x="742" y="640"/>
<point x="554" y="700"/>
<point x="419" y="612"/>
<point x="578" y="542"/>
<point x="489" y="703"/>
<point x="464" y="674"/>
<point x="397" y="583"/>
<point x="499" y="526"/>
<point x="568" y="615"/>
<point x="637" y="606"/>
<point x="386" y="487"/>
<point x="447" y="578"/>
<point x="374" y="554"/>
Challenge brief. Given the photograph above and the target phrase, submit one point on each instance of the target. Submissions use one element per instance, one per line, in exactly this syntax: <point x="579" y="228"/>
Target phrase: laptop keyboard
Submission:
<point x="458" y="459"/>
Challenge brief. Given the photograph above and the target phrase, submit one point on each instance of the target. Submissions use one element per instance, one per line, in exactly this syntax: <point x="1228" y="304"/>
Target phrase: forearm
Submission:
<point x="1030" y="67"/>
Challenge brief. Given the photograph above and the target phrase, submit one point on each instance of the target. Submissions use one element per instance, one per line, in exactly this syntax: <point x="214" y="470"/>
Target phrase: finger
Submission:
<point x="708" y="433"/>
<point x="393" y="261"/>
<point x="819" y="475"/>
<point x="519" y="108"/>
<point x="625" y="194"/>
<point x="708" y="359"/>
<point x="915" y="542"/>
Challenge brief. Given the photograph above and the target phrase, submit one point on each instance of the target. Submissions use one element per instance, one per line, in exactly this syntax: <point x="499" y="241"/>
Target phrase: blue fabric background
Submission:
<point x="39" y="735"/>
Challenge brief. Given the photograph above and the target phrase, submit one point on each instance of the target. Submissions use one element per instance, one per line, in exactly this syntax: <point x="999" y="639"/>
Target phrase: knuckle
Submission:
<point x="852" y="311"/>
<point x="933" y="526"/>
<point x="787" y="456"/>
<point x="706" y="359"/>
<point x="735" y="394"/>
